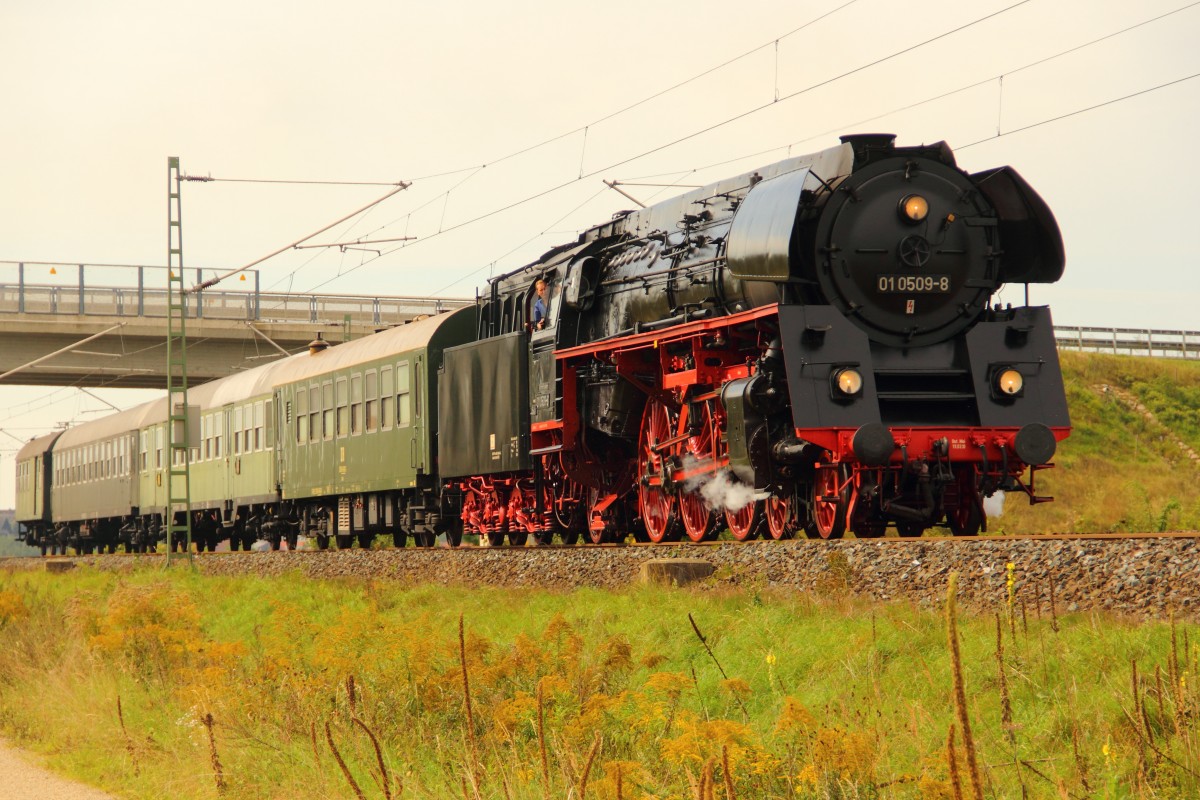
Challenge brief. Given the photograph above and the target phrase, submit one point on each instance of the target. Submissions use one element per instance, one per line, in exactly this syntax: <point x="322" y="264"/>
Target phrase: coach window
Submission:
<point x="206" y="437"/>
<point x="236" y="445"/>
<point x="387" y="388"/>
<point x="143" y="449"/>
<point x="343" y="407"/>
<point x="314" y="413"/>
<point x="248" y="430"/>
<point x="327" y="410"/>
<point x="356" y="404"/>
<point x="403" y="409"/>
<point x="158" y="447"/>
<point x="219" y="422"/>
<point x="371" y="402"/>
<point x="259" y="423"/>
<point x="301" y="416"/>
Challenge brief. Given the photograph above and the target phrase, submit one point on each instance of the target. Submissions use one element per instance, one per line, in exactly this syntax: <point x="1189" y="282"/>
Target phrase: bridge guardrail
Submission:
<point x="1129" y="341"/>
<point x="77" y="293"/>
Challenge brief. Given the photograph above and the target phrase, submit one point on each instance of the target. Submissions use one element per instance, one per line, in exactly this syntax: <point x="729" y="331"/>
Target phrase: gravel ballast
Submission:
<point x="1145" y="577"/>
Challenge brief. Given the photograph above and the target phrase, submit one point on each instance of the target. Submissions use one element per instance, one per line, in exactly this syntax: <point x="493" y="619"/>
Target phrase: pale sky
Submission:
<point x="96" y="96"/>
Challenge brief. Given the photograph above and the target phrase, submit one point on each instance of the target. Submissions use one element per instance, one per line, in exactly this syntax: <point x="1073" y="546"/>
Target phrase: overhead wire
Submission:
<point x="567" y="134"/>
<point x="928" y="100"/>
<point x="708" y="129"/>
<point x="1079" y="111"/>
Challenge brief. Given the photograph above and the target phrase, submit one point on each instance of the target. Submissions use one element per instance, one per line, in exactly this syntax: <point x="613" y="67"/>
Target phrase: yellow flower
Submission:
<point x="771" y="659"/>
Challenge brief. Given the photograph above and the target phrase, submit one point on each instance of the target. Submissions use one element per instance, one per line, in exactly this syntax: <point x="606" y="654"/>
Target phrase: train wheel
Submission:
<point x="655" y="503"/>
<point x="870" y="529"/>
<point x="344" y="541"/>
<point x="748" y="523"/>
<point x="615" y="526"/>
<point x="781" y="522"/>
<point x="399" y="538"/>
<point x="365" y="540"/>
<point x="699" y="521"/>
<point x="965" y="520"/>
<point x="495" y="538"/>
<point x="828" y="506"/>
<point x="518" y="538"/>
<point x="293" y="540"/>
<point x="909" y="530"/>
<point x="567" y="501"/>
<point x="966" y="517"/>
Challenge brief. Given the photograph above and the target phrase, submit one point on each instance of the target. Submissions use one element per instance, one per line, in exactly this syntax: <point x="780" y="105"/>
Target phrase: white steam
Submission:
<point x="721" y="490"/>
<point x="994" y="506"/>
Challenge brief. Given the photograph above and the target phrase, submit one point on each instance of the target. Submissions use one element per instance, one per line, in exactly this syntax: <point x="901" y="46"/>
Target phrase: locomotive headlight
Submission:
<point x="847" y="381"/>
<point x="1008" y="382"/>
<point x="914" y="208"/>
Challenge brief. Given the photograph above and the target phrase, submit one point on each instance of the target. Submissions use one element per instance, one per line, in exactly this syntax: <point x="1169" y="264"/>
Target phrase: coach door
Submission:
<point x="223" y="480"/>
<point x="38" y="489"/>
<point x="418" y="414"/>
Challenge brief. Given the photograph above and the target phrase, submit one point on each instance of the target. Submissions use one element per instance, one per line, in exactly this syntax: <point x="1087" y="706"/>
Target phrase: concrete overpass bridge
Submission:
<point x="106" y="325"/>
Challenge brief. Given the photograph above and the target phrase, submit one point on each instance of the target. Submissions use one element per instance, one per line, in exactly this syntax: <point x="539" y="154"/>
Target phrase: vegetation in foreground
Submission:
<point x="1124" y="468"/>
<point x="169" y="684"/>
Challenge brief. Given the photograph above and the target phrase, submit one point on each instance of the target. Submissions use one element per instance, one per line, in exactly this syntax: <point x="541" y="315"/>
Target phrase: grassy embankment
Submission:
<point x="172" y="685"/>
<point x="1122" y="469"/>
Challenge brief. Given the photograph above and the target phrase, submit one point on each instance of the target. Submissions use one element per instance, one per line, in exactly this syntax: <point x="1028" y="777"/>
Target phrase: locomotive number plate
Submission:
<point x="913" y="284"/>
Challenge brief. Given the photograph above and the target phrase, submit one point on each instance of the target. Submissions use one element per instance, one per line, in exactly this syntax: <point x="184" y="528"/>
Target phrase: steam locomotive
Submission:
<point x="812" y="346"/>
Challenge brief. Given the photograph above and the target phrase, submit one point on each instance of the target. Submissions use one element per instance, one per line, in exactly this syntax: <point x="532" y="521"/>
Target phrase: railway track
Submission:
<point x="1139" y="574"/>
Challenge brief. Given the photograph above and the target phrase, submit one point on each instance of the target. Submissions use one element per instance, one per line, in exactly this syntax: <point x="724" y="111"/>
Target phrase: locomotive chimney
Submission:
<point x="869" y="146"/>
<point x="317" y="345"/>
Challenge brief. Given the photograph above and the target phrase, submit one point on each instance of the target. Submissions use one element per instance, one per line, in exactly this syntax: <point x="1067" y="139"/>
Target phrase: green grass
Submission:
<point x="825" y="698"/>
<point x="1120" y="470"/>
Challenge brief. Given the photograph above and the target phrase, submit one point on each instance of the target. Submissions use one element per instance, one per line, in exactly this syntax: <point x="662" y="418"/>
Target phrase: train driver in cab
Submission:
<point x="540" y="306"/>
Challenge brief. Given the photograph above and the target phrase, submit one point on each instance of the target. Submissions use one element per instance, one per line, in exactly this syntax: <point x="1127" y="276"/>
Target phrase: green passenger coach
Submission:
<point x="338" y="443"/>
<point x="35" y="464"/>
<point x="357" y="453"/>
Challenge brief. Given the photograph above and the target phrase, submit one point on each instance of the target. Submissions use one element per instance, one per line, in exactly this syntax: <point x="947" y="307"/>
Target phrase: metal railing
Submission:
<point x="1129" y="341"/>
<point x="121" y="290"/>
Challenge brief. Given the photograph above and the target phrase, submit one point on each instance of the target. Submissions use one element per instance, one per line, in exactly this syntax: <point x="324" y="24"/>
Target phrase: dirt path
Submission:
<point x="1132" y="402"/>
<point x="22" y="779"/>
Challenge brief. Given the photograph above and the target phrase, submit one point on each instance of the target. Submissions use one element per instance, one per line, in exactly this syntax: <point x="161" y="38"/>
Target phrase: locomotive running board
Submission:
<point x="652" y="338"/>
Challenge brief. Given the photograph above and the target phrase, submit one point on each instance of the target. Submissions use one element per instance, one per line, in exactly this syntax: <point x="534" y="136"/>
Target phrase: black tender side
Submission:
<point x="483" y="395"/>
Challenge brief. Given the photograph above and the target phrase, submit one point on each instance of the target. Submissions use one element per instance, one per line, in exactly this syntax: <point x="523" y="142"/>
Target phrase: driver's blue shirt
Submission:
<point x="539" y="311"/>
